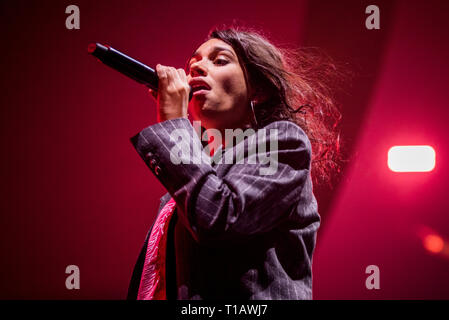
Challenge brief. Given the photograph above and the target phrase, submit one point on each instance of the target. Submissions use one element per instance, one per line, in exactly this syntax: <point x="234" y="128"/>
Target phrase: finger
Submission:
<point x="173" y="78"/>
<point x="183" y="76"/>
<point x="181" y="79"/>
<point x="162" y="74"/>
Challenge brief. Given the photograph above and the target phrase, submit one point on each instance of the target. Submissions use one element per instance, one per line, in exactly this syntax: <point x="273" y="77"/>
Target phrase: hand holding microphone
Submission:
<point x="173" y="93"/>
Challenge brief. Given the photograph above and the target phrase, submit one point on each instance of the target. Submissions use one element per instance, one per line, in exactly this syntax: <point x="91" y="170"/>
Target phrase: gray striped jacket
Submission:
<point x="236" y="233"/>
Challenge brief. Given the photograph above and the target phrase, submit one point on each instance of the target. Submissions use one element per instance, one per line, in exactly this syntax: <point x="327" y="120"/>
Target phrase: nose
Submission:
<point x="196" y="69"/>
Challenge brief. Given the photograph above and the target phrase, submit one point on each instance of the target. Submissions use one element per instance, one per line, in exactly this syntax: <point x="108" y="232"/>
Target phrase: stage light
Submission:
<point x="433" y="243"/>
<point x="411" y="158"/>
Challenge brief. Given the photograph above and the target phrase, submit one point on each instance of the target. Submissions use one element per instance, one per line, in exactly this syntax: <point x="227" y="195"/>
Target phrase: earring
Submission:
<point x="254" y="114"/>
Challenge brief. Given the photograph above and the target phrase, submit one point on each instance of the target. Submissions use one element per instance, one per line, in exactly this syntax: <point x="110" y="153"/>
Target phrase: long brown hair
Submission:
<point x="295" y="85"/>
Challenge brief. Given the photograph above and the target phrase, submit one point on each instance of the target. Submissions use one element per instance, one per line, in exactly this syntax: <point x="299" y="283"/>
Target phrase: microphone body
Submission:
<point x="127" y="65"/>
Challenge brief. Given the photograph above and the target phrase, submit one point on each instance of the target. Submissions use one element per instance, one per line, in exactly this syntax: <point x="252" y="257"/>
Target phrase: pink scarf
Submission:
<point x="152" y="282"/>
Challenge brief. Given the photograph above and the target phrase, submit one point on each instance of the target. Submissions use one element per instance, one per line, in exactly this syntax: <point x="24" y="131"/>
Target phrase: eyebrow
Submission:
<point x="215" y="49"/>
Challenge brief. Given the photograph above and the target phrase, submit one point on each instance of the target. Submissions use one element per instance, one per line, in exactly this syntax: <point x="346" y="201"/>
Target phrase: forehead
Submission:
<point x="212" y="45"/>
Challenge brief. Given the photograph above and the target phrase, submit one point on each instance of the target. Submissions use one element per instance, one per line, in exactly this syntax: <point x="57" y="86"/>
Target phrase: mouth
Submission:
<point x="199" y="87"/>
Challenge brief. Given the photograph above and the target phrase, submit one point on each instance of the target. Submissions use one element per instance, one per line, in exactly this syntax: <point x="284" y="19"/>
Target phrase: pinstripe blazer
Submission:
<point x="237" y="232"/>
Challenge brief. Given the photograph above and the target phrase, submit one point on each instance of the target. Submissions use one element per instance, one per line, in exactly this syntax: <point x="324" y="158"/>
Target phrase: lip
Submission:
<point x="201" y="92"/>
<point x="199" y="82"/>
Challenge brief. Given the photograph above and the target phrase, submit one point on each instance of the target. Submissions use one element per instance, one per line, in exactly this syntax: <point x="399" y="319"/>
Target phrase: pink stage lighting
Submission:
<point x="411" y="158"/>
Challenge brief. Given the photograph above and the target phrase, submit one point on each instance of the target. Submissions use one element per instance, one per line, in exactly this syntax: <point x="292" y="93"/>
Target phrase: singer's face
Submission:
<point x="224" y="102"/>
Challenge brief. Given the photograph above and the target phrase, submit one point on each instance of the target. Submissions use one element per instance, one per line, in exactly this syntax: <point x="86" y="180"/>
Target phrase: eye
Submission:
<point x="221" y="61"/>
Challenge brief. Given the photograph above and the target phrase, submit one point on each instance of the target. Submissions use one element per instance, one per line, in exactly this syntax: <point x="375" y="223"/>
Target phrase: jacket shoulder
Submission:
<point x="290" y="131"/>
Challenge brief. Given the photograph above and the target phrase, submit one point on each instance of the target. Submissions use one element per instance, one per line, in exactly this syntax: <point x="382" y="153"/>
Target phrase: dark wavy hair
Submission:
<point x="292" y="84"/>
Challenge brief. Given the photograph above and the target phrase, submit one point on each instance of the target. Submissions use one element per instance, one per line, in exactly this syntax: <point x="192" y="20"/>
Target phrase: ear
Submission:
<point x="259" y="95"/>
<point x="259" y="98"/>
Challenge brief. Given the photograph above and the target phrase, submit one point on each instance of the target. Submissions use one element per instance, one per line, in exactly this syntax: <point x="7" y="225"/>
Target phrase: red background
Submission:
<point x="74" y="191"/>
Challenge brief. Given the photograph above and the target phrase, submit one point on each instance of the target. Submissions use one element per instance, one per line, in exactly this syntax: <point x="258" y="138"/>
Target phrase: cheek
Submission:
<point x="233" y="83"/>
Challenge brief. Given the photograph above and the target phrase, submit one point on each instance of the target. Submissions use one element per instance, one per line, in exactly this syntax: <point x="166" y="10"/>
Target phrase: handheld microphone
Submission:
<point x="127" y="65"/>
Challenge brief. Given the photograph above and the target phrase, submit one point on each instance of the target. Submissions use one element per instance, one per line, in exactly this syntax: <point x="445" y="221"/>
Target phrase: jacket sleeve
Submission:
<point x="231" y="200"/>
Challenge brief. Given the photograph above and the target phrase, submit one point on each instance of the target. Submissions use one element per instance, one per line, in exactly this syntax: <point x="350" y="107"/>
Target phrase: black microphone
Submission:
<point x="127" y="65"/>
